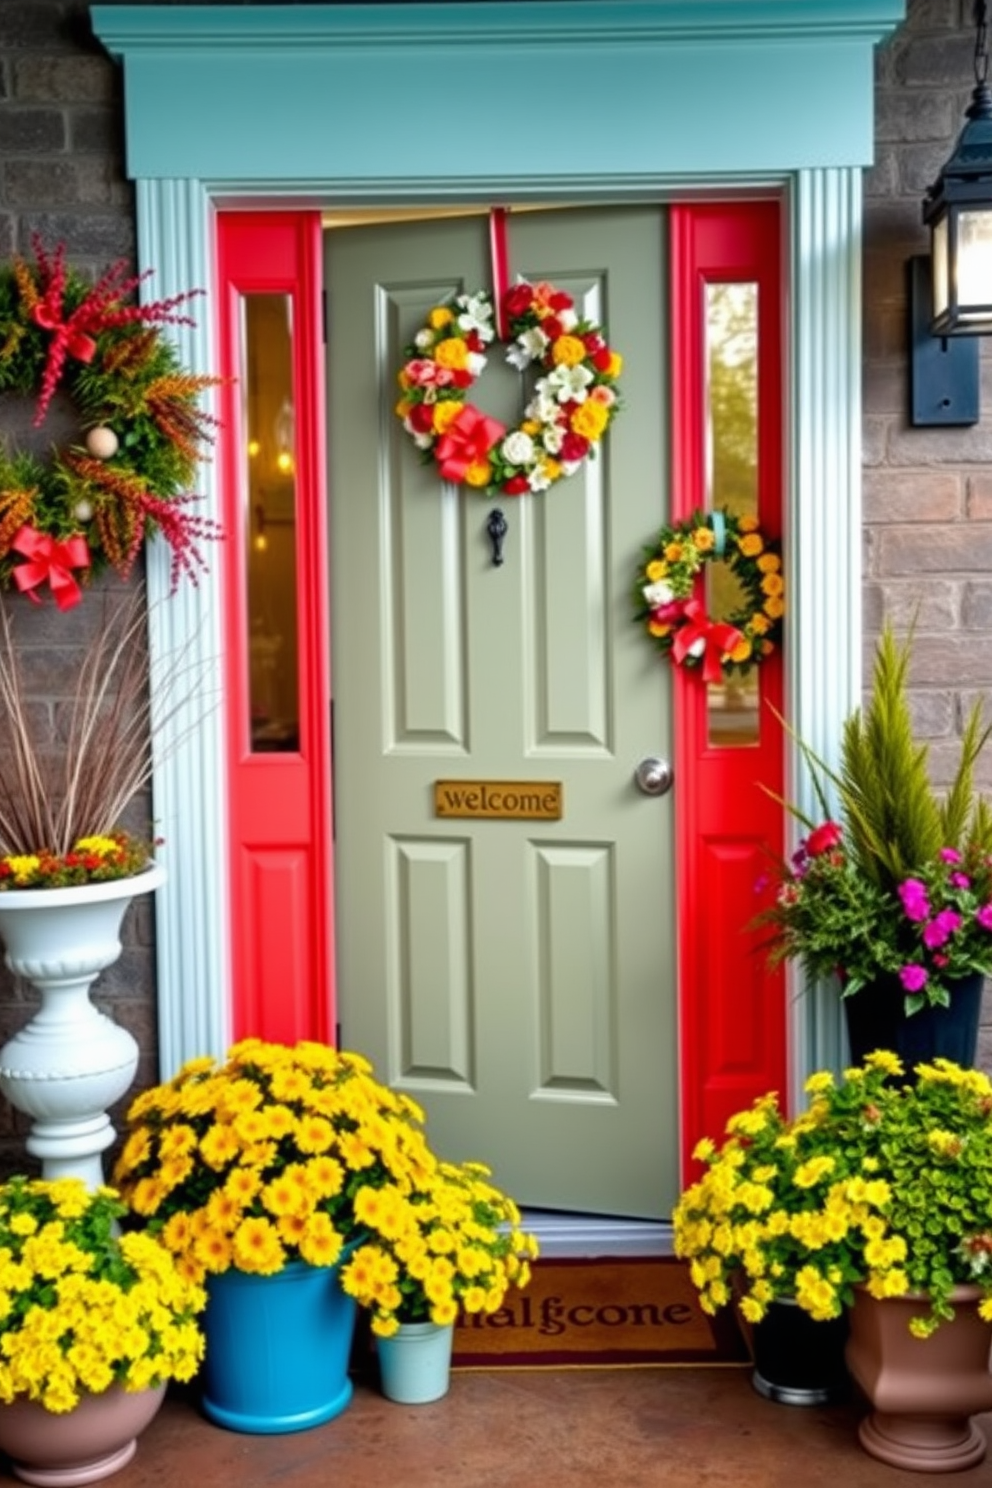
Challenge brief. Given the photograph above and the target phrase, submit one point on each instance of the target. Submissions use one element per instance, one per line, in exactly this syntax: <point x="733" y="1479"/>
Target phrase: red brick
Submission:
<point x="912" y="496"/>
<point x="963" y="547"/>
<point x="979" y="498"/>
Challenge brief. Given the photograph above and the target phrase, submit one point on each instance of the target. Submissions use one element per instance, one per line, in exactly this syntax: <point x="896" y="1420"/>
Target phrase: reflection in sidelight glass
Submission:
<point x="270" y="457"/>
<point x="731" y="408"/>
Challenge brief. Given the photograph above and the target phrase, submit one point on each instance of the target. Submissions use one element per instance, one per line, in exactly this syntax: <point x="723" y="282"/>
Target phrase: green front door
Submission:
<point x="517" y="977"/>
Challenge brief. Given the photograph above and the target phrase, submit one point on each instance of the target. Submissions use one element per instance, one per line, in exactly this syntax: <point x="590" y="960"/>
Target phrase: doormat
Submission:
<point x="603" y="1312"/>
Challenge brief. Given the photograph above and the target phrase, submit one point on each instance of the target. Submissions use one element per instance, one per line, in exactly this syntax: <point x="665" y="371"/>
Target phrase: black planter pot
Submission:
<point x="876" y="1020"/>
<point x="797" y="1360"/>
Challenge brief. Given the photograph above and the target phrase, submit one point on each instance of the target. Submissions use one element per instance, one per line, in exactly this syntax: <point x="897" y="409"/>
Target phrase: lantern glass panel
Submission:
<point x="941" y="278"/>
<point x="974" y="260"/>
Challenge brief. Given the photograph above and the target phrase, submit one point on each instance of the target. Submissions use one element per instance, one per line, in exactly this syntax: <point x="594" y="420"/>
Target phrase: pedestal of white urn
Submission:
<point x="70" y="1062"/>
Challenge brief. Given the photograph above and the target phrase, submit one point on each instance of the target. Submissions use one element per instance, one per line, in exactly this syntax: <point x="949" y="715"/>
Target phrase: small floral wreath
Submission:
<point x="94" y="504"/>
<point x="665" y="602"/>
<point x="572" y="404"/>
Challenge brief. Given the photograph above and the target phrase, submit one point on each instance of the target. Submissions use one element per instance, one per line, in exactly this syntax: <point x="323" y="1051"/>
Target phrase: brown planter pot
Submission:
<point x="83" y="1445"/>
<point x="924" y="1390"/>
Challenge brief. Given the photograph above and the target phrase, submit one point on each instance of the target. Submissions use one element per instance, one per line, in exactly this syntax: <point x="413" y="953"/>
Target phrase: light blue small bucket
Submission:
<point x="415" y="1363"/>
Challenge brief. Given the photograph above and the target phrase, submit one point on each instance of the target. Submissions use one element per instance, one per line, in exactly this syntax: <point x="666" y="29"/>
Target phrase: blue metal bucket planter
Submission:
<point x="278" y="1349"/>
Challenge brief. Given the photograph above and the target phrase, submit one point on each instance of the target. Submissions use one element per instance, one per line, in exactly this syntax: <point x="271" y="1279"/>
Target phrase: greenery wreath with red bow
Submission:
<point x="93" y="504"/>
<point x="665" y="600"/>
<point x="573" y="402"/>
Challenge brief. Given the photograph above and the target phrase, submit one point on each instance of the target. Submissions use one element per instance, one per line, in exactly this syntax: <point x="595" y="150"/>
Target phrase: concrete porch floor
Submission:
<point x="630" y="1428"/>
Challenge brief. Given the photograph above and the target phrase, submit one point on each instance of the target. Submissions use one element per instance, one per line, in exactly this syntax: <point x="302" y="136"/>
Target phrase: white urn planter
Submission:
<point x="70" y="1062"/>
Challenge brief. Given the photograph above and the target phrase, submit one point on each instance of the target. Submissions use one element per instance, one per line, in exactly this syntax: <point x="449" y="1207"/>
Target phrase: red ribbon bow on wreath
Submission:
<point x="51" y="560"/>
<point x="467" y="441"/>
<point x="716" y="636"/>
<point x="76" y="343"/>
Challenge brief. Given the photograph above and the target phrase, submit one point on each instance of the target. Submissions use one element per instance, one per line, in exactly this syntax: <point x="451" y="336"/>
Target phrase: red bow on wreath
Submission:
<point x="716" y="636"/>
<point x="467" y="441"/>
<point x="51" y="560"/>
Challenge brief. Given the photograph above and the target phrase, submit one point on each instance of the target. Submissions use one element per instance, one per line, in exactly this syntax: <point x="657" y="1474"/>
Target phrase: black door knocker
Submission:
<point x="497" y="529"/>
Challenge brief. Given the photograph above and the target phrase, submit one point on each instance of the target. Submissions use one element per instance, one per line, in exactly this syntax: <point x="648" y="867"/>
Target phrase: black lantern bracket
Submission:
<point x="943" y="369"/>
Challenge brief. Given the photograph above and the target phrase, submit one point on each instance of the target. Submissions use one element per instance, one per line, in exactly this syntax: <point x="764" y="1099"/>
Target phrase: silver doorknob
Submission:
<point x="654" y="776"/>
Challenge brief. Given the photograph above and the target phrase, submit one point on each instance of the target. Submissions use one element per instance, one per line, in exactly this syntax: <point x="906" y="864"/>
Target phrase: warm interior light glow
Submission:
<point x="253" y="448"/>
<point x="941" y="284"/>
<point x="974" y="259"/>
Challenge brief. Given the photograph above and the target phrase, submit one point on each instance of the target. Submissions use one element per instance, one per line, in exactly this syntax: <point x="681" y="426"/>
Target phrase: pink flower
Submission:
<point x="913" y="978"/>
<point x="960" y="881"/>
<point x="984" y="916"/>
<point x="914" y="899"/>
<point x="422" y="372"/>
<point x="941" y="928"/>
<point x="950" y="855"/>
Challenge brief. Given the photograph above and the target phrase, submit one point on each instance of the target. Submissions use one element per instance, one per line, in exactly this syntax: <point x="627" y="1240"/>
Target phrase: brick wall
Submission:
<point x="61" y="176"/>
<point x="928" y="493"/>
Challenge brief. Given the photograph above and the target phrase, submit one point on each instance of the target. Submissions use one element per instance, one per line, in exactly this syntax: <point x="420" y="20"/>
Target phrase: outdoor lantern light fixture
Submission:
<point x="951" y="292"/>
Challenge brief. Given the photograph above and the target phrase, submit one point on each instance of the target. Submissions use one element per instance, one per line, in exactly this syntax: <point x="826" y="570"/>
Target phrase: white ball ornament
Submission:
<point x="102" y="443"/>
<point x="83" y="510"/>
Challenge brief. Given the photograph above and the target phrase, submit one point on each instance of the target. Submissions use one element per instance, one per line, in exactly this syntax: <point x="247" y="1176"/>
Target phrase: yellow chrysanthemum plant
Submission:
<point x="82" y="1307"/>
<point x="452" y="1244"/>
<point x="881" y="1181"/>
<point x="280" y="1154"/>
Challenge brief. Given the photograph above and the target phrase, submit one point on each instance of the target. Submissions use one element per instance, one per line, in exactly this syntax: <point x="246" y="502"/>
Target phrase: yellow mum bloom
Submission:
<point x="439" y="317"/>
<point x="567" y="351"/>
<point x="452" y="353"/>
<point x="479" y="475"/>
<point x="100" y="847"/>
<point x="257" y="1247"/>
<point x="769" y="563"/>
<point x="774" y="607"/>
<point x="751" y="544"/>
<point x="590" y="419"/>
<point x="444" y="414"/>
<point x="773" y="583"/>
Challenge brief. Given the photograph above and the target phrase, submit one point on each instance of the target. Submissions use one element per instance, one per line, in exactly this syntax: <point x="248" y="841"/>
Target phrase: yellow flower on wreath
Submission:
<point x="478" y="475"/>
<point x="568" y="351"/>
<point x="452" y="354"/>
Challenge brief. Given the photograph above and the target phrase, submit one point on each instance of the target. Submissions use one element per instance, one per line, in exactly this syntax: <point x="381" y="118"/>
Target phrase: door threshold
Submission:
<point x="562" y="1235"/>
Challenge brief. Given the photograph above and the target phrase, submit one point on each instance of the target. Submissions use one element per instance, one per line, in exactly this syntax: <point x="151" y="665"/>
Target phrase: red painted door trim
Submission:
<point x="280" y="810"/>
<point x="733" y="1037"/>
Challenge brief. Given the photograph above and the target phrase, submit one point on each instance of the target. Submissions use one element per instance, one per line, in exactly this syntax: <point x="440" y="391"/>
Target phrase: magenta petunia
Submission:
<point x="984" y="916"/>
<point x="960" y="881"/>
<point x="913" y="978"/>
<point x="940" y="929"/>
<point x="914" y="899"/>
<point x="950" y="855"/>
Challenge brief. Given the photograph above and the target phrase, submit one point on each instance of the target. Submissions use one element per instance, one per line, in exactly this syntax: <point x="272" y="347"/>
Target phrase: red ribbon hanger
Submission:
<point x="500" y="258"/>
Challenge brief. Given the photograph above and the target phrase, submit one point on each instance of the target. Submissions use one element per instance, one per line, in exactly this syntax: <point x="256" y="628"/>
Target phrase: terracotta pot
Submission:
<point x="924" y="1390"/>
<point x="81" y="1446"/>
